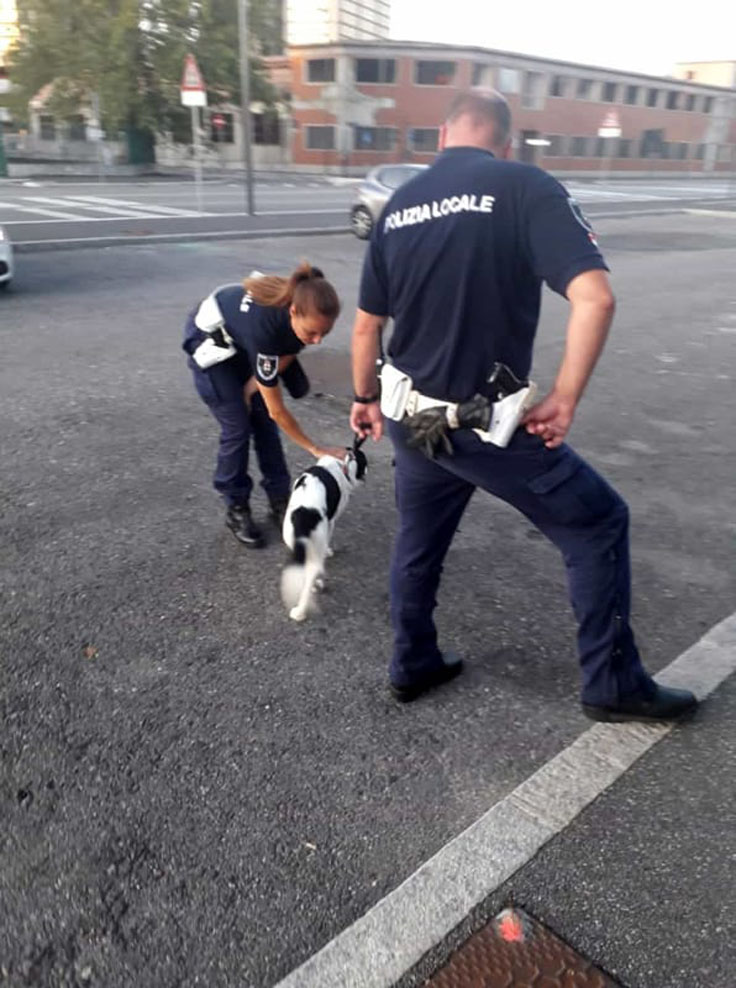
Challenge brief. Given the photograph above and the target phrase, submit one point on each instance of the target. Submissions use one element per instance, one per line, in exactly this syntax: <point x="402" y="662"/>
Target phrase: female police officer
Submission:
<point x="241" y="340"/>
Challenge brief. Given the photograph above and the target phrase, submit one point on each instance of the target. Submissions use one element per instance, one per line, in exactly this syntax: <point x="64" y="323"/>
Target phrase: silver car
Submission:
<point x="6" y="260"/>
<point x="375" y="192"/>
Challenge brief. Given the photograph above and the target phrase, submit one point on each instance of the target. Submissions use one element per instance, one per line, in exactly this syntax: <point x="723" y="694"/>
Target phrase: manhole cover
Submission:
<point x="516" y="951"/>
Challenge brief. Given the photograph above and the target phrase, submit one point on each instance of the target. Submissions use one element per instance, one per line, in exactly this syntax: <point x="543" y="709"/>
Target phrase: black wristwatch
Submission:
<point x="365" y="401"/>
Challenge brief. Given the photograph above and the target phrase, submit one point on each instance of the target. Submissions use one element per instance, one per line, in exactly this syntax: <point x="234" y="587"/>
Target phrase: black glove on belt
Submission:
<point x="428" y="429"/>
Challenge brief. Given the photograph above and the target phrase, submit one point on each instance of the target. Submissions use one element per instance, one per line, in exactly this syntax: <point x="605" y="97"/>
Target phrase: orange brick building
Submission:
<point x="358" y="104"/>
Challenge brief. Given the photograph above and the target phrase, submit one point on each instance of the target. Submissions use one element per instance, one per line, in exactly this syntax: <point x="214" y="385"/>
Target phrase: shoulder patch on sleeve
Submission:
<point x="267" y="366"/>
<point x="582" y="219"/>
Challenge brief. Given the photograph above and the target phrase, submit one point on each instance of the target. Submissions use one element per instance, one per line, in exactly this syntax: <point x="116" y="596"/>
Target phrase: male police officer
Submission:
<point x="457" y="260"/>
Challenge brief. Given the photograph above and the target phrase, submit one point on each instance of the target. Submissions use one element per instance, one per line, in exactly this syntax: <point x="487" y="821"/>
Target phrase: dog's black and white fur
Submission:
<point x="318" y="498"/>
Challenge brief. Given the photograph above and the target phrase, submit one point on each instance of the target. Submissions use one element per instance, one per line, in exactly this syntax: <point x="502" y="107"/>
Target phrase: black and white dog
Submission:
<point x="318" y="498"/>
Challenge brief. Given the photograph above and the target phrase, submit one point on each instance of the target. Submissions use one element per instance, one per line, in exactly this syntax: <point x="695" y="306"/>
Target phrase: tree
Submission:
<point x="130" y="54"/>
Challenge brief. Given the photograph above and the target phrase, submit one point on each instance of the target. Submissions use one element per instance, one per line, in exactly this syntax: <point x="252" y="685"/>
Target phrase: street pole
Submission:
<point x="245" y="102"/>
<point x="197" y="157"/>
<point x="96" y="112"/>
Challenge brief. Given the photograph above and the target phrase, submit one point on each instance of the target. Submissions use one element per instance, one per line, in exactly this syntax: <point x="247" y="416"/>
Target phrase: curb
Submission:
<point x="38" y="246"/>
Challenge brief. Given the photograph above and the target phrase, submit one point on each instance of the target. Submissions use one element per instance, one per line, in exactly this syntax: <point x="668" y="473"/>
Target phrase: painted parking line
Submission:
<point x="399" y="930"/>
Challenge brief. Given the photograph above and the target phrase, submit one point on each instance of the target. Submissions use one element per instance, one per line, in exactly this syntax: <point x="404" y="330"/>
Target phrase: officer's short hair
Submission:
<point x="484" y="106"/>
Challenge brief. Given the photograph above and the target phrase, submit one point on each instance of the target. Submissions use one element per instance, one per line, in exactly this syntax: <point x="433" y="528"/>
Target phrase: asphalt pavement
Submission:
<point x="46" y="213"/>
<point x="196" y="791"/>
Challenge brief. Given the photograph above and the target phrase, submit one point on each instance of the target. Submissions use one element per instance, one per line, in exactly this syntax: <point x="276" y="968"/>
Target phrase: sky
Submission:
<point x="635" y="35"/>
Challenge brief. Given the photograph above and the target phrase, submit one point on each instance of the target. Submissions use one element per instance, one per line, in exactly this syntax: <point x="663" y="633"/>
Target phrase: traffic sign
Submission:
<point x="193" y="91"/>
<point x="611" y="125"/>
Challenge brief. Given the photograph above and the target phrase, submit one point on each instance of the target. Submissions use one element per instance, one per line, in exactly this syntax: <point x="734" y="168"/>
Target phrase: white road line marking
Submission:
<point x="392" y="936"/>
<point x="55" y="214"/>
<point x="124" y="213"/>
<point x="728" y="213"/>
<point x="113" y="219"/>
<point x="130" y="204"/>
<point x="139" y="240"/>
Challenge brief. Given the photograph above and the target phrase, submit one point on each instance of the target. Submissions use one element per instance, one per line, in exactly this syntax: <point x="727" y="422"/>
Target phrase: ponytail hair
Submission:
<point x="306" y="289"/>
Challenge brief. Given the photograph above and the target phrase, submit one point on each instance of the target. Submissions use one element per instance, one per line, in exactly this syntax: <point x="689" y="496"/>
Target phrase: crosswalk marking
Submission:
<point x="117" y="211"/>
<point x="54" y="214"/>
<point x="153" y="209"/>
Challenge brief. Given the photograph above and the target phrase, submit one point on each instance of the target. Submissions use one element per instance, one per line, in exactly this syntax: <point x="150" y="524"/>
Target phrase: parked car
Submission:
<point x="375" y="192"/>
<point x="6" y="259"/>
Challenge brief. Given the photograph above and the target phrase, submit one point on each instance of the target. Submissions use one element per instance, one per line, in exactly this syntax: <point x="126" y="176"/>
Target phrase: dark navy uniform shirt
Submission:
<point x="458" y="259"/>
<point x="260" y="333"/>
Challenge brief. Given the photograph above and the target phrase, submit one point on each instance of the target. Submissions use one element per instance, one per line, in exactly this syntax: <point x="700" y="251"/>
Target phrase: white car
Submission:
<point x="6" y="259"/>
<point x="375" y="191"/>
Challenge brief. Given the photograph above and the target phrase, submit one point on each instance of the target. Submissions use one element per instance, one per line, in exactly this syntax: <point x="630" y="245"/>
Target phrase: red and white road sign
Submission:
<point x="193" y="91"/>
<point x="611" y="125"/>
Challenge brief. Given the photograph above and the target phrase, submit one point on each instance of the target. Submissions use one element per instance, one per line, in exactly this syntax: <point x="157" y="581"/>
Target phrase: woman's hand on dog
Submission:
<point x="339" y="452"/>
<point x="367" y="420"/>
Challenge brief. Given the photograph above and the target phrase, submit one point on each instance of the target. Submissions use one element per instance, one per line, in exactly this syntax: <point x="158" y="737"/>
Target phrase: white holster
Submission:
<point x="400" y="398"/>
<point x="209" y="319"/>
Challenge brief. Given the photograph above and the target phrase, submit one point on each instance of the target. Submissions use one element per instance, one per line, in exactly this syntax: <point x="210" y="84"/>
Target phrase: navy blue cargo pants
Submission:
<point x="565" y="499"/>
<point x="221" y="389"/>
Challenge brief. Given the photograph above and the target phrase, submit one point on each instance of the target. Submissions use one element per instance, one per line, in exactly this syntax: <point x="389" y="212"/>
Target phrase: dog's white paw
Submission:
<point x="297" y="614"/>
<point x="330" y="551"/>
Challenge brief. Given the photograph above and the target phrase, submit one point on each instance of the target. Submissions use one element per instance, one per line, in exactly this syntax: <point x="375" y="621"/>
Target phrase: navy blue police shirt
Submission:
<point x="458" y="259"/>
<point x="261" y="334"/>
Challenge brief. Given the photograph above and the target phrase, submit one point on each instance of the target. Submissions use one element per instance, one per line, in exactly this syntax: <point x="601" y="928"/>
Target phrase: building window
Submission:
<point x="375" y="70"/>
<point x="320" y="138"/>
<point x="624" y="149"/>
<point x="374" y="138"/>
<point x="609" y="92"/>
<point x="579" y="147"/>
<point x="482" y="75"/>
<point x="679" y="150"/>
<point x="700" y="152"/>
<point x="266" y="129"/>
<point x="48" y="128"/>
<point x="321" y="70"/>
<point x="509" y="80"/>
<point x="555" y="148"/>
<point x="533" y="93"/>
<point x="557" y="85"/>
<point x="652" y="97"/>
<point x="76" y="128"/>
<point x="434" y="73"/>
<point x="632" y="95"/>
<point x="424" y="140"/>
<point x="673" y="98"/>
<point x="584" y="88"/>
<point x="221" y="128"/>
<point x="725" y="152"/>
<point x="707" y="104"/>
<point x="652" y="144"/>
<point x="690" y="101"/>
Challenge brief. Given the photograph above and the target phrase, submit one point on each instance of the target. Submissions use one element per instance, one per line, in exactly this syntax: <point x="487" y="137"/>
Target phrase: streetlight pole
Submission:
<point x="245" y="101"/>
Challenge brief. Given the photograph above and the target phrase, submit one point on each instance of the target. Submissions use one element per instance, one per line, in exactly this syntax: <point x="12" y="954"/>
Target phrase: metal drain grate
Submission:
<point x="514" y="950"/>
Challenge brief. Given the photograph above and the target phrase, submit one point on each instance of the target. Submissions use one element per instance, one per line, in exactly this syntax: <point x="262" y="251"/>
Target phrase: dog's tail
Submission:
<point x="304" y="562"/>
<point x="294" y="576"/>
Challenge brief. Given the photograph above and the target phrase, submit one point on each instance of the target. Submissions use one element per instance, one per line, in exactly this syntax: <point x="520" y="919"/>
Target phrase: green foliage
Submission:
<point x="130" y="53"/>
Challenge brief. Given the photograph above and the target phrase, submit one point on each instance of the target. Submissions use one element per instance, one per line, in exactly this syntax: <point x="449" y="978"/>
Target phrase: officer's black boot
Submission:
<point x="240" y="522"/>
